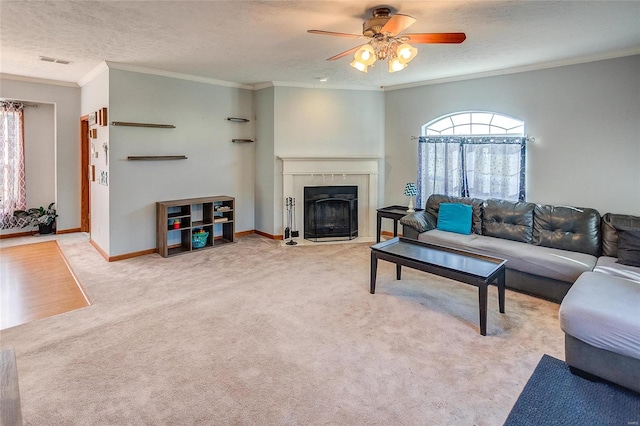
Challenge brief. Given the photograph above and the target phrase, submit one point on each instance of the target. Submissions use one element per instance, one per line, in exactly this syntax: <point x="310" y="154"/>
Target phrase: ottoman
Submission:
<point x="601" y="321"/>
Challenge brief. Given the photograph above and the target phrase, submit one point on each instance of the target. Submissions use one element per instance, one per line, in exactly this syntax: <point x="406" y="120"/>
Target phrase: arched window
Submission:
<point x="474" y="123"/>
<point x="472" y="154"/>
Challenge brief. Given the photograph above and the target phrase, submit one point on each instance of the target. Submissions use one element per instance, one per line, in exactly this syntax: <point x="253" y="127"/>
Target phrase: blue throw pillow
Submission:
<point x="455" y="217"/>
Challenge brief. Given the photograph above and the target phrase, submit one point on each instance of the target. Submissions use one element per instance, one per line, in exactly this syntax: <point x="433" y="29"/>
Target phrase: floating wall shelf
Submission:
<point x="158" y="126"/>
<point x="238" y="119"/>
<point x="155" y="157"/>
<point x="241" y="140"/>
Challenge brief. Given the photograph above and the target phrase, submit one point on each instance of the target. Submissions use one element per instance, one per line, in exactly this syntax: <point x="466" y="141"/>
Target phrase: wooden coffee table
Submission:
<point x="460" y="265"/>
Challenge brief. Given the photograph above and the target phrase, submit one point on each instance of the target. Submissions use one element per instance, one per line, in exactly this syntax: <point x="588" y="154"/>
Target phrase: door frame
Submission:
<point x="85" y="185"/>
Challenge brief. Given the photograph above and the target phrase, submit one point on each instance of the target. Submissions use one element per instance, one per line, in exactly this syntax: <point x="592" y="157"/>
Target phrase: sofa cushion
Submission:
<point x="629" y="246"/>
<point x="421" y="221"/>
<point x="552" y="263"/>
<point x="610" y="266"/>
<point x="610" y="222"/>
<point x="602" y="311"/>
<point x="455" y="217"/>
<point x="433" y="205"/>
<point x="510" y="220"/>
<point x="567" y="228"/>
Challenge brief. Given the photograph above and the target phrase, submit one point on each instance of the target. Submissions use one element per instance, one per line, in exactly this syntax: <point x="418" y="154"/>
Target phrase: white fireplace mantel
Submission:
<point x="362" y="171"/>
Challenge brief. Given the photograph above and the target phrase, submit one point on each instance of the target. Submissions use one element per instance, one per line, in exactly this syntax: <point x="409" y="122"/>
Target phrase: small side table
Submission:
<point x="392" y="212"/>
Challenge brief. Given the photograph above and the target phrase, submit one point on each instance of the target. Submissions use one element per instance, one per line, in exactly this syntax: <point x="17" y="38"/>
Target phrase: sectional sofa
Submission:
<point x="546" y="247"/>
<point x="566" y="254"/>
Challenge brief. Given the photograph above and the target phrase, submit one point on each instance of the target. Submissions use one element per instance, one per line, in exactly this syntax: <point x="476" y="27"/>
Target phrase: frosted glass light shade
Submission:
<point x="406" y="53"/>
<point x="396" y="65"/>
<point x="366" y="55"/>
<point x="359" y="66"/>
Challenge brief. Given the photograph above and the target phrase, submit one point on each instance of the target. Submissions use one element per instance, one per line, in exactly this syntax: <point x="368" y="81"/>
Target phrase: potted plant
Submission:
<point x="45" y="218"/>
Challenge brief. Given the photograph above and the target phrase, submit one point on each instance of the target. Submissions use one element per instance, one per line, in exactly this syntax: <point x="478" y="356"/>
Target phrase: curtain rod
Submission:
<point x="528" y="138"/>
<point x="26" y="104"/>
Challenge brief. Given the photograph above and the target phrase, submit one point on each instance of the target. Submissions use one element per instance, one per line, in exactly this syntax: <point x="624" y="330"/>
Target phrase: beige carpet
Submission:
<point x="256" y="333"/>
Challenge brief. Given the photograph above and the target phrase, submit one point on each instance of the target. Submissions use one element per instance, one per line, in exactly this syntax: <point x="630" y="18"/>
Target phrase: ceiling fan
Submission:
<point x="386" y="41"/>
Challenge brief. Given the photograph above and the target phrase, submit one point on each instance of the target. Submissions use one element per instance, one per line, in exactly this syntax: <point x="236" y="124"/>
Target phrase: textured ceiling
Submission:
<point x="251" y="42"/>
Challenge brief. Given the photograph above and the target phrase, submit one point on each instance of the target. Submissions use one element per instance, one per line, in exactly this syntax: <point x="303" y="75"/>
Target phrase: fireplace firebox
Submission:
<point x="330" y="213"/>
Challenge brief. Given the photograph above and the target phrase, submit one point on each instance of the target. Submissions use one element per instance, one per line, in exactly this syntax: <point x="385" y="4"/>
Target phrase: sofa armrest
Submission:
<point x="421" y="221"/>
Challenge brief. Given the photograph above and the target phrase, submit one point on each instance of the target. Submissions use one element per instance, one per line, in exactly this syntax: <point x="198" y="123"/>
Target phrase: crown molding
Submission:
<point x="516" y="70"/>
<point x="93" y="74"/>
<point x="320" y="85"/>
<point x="152" y="71"/>
<point x="38" y="80"/>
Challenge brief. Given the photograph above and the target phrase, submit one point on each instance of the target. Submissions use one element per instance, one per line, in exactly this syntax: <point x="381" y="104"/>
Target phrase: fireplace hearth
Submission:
<point x="330" y="213"/>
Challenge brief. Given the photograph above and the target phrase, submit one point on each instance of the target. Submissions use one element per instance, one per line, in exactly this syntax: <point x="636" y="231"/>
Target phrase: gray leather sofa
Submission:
<point x="546" y="247"/>
<point x="565" y="254"/>
<point x="600" y="314"/>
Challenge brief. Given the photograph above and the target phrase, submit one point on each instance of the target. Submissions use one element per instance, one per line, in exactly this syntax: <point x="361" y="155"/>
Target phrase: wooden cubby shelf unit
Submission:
<point x="178" y="220"/>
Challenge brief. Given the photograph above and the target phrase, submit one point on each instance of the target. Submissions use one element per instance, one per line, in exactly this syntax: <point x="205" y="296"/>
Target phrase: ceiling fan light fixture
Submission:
<point x="396" y="64"/>
<point x="366" y="55"/>
<point x="359" y="66"/>
<point x="388" y="42"/>
<point x="406" y="53"/>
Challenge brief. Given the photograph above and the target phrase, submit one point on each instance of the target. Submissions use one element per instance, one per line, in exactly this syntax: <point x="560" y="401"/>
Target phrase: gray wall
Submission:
<point x="314" y="122"/>
<point x="585" y="119"/>
<point x="94" y="96"/>
<point x="40" y="154"/>
<point x="265" y="164"/>
<point x="57" y="160"/>
<point x="215" y="165"/>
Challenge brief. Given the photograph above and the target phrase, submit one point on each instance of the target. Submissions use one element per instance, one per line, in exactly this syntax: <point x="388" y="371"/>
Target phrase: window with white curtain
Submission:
<point x="472" y="154"/>
<point x="12" y="175"/>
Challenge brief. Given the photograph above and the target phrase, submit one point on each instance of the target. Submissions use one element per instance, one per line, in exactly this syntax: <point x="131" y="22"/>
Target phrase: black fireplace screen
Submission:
<point x="330" y="212"/>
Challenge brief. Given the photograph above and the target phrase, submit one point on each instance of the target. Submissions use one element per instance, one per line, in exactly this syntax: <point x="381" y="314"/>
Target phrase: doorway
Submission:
<point x="85" y="175"/>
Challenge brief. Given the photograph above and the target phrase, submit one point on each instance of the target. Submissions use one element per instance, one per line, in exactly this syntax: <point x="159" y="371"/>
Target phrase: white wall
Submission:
<point x="58" y="147"/>
<point x="585" y="119"/>
<point x="215" y="165"/>
<point x="94" y="96"/>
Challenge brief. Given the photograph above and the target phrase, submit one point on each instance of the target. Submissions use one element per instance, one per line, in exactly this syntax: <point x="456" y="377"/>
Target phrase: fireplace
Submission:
<point x="330" y="212"/>
<point x="360" y="171"/>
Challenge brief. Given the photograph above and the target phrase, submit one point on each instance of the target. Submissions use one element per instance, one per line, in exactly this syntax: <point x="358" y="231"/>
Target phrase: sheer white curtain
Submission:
<point x="481" y="167"/>
<point x="494" y="168"/>
<point x="12" y="176"/>
<point x="439" y="167"/>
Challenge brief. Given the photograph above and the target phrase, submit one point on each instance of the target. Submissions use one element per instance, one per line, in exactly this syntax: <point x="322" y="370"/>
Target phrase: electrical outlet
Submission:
<point x="98" y="229"/>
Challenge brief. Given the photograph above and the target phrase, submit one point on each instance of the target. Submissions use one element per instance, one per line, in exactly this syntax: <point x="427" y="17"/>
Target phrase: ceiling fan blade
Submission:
<point x="334" y="34"/>
<point x="343" y="54"/>
<point x="397" y="24"/>
<point x="436" y="37"/>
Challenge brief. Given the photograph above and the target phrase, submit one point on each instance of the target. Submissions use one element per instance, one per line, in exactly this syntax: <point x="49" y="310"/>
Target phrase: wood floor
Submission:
<point x="36" y="282"/>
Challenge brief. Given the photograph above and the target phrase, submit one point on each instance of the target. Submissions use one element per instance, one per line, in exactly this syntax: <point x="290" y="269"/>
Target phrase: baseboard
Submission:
<point x="29" y="233"/>
<point x="120" y="256"/>
<point x="244" y="233"/>
<point x="273" y="237"/>
<point x="132" y="254"/>
<point x="389" y="234"/>
<point x="97" y="247"/>
<point x="17" y="234"/>
<point x="151" y="251"/>
<point x="69" y="231"/>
